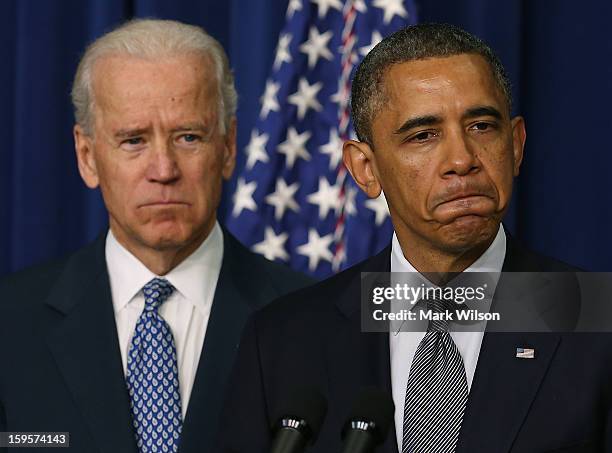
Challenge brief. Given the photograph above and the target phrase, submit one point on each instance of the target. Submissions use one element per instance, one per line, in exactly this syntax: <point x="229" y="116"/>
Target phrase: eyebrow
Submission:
<point x="484" y="110"/>
<point x="419" y="121"/>
<point x="127" y="133"/>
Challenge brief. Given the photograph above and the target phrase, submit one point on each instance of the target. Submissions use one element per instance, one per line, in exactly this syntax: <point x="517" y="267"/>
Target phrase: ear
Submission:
<point x="229" y="153"/>
<point x="359" y="160"/>
<point x="519" y="135"/>
<point x="83" y="145"/>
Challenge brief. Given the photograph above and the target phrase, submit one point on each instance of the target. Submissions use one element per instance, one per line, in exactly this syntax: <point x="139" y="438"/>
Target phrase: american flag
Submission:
<point x="294" y="200"/>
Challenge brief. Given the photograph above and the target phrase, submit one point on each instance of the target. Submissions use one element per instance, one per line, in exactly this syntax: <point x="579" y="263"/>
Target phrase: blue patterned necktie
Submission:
<point x="152" y="376"/>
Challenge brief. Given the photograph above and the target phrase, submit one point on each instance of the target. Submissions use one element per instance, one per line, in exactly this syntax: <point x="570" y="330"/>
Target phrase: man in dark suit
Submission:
<point x="431" y="109"/>
<point x="128" y="343"/>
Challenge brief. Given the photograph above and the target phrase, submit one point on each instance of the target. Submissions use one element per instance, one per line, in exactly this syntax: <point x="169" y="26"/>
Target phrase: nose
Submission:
<point x="459" y="155"/>
<point x="163" y="166"/>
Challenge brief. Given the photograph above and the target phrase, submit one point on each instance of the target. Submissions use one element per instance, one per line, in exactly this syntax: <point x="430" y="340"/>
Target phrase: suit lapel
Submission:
<point x="236" y="297"/>
<point x="502" y="380"/>
<point x="355" y="359"/>
<point x="85" y="347"/>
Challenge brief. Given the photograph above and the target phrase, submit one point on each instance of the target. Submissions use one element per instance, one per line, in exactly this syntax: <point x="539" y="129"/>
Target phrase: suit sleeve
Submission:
<point x="244" y="424"/>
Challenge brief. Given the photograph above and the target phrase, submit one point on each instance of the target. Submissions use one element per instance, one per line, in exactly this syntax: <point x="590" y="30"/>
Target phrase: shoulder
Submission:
<point x="32" y="285"/>
<point x="257" y="269"/>
<point x="521" y="259"/>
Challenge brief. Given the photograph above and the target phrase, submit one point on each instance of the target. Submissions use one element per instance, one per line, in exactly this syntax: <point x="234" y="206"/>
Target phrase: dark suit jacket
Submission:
<point x="62" y="369"/>
<point x="559" y="401"/>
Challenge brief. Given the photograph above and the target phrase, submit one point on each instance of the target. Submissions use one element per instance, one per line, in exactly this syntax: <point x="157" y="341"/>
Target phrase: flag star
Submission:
<point x="306" y="97"/>
<point x="327" y="197"/>
<point x="283" y="198"/>
<point x="273" y="246"/>
<point x="269" y="101"/>
<point x="350" y="205"/>
<point x="295" y="146"/>
<point x="316" y="249"/>
<point x="282" y="51"/>
<point x="360" y="6"/>
<point x="243" y="197"/>
<point x="316" y="46"/>
<point x="341" y="97"/>
<point x="380" y="208"/>
<point x="333" y="148"/>
<point x="376" y="38"/>
<point x="324" y="6"/>
<point x="256" y="149"/>
<point x="391" y="8"/>
<point x="294" y="5"/>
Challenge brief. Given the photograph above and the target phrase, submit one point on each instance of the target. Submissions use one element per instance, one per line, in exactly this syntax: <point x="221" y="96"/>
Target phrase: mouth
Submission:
<point x="163" y="203"/>
<point x="464" y="198"/>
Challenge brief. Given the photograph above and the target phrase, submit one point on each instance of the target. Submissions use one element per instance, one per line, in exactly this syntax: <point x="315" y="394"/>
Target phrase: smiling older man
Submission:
<point x="127" y="344"/>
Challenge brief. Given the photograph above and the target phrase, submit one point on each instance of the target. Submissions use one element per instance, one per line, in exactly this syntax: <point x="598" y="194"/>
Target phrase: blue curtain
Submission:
<point x="557" y="54"/>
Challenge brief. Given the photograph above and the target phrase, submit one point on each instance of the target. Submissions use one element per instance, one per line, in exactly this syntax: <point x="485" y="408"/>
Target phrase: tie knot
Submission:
<point x="156" y="292"/>
<point x="440" y="312"/>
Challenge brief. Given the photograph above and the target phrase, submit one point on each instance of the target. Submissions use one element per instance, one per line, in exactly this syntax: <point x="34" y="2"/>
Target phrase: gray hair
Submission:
<point x="417" y="42"/>
<point x="153" y="39"/>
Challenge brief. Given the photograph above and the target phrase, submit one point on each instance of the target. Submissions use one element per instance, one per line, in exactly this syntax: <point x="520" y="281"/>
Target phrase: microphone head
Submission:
<point x="374" y="408"/>
<point x="306" y="404"/>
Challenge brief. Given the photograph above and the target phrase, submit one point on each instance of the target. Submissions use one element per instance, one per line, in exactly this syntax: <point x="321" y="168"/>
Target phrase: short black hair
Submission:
<point x="416" y="42"/>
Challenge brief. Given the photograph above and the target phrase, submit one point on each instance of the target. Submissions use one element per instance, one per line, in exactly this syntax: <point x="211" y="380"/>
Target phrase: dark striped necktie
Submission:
<point x="437" y="390"/>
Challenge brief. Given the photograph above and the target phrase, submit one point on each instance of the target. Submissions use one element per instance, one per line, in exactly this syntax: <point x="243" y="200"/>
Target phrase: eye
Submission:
<point x="133" y="143"/>
<point x="482" y="126"/>
<point x="189" y="139"/>
<point x="422" y="136"/>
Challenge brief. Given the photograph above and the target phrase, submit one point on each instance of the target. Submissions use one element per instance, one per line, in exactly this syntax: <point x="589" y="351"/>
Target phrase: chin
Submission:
<point x="468" y="232"/>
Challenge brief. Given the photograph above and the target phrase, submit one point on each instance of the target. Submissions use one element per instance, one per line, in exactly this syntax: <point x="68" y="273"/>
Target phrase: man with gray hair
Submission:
<point x="127" y="344"/>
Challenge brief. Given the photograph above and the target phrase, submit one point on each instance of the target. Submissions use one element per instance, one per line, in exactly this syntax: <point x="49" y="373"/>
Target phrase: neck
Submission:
<point x="440" y="265"/>
<point x="162" y="259"/>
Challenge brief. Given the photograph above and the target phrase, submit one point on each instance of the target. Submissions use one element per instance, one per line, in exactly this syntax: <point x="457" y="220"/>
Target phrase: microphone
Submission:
<point x="299" y="420"/>
<point x="369" y="422"/>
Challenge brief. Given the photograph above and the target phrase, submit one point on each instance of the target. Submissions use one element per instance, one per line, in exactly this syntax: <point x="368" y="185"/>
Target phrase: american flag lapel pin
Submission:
<point x="525" y="353"/>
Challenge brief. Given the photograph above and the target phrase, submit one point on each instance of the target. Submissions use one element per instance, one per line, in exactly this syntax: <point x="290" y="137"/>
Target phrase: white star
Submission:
<point x="316" y="249"/>
<point x="350" y="206"/>
<point x="272" y="246"/>
<point x="269" y="101"/>
<point x="327" y="197"/>
<point x="376" y="38"/>
<point x="306" y="97"/>
<point x="324" y="6"/>
<point x="380" y="208"/>
<point x="360" y="6"/>
<point x="391" y="8"/>
<point x="282" y="198"/>
<point x="243" y="197"/>
<point x="333" y="148"/>
<point x="256" y="149"/>
<point x="282" y="51"/>
<point x="341" y="96"/>
<point x="316" y="46"/>
<point x="294" y="5"/>
<point x="295" y="146"/>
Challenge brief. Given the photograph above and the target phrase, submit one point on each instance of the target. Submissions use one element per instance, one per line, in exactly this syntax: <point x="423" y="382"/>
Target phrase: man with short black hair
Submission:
<point x="431" y="107"/>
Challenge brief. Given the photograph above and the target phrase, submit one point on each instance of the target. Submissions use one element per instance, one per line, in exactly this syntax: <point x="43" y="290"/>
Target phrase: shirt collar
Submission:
<point x="491" y="262"/>
<point x="195" y="277"/>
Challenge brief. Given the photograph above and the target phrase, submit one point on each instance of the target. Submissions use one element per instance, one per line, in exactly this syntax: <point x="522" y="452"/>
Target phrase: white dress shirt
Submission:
<point x="186" y="311"/>
<point x="403" y="345"/>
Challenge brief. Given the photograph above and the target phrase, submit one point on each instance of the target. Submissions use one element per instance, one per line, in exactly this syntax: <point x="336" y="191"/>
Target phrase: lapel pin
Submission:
<point x="525" y="353"/>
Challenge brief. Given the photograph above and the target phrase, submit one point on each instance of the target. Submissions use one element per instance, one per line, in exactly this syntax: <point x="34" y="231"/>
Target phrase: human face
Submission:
<point x="156" y="151"/>
<point x="444" y="152"/>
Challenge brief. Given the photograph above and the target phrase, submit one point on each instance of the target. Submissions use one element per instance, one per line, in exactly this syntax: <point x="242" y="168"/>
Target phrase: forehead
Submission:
<point x="458" y="81"/>
<point x="123" y="79"/>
